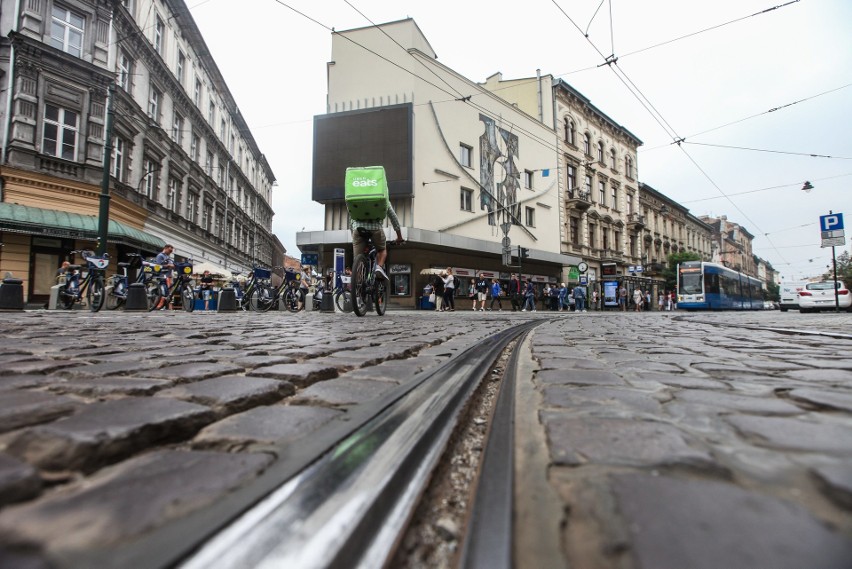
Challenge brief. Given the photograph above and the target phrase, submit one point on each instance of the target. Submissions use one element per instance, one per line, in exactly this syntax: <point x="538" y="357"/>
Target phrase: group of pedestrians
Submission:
<point x="641" y="300"/>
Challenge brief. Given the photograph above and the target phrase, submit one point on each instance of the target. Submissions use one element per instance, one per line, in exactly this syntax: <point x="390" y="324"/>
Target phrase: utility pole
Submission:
<point x="103" y="211"/>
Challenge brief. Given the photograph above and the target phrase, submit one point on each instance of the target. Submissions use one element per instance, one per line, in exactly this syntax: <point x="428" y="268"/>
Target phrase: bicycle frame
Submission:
<point x="92" y="284"/>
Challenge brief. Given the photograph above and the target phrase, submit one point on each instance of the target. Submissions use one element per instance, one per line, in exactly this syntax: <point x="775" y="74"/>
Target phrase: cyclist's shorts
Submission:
<point x="378" y="240"/>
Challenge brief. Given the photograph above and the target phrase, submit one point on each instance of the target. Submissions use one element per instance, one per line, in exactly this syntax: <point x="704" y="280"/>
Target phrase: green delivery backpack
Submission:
<point x="367" y="193"/>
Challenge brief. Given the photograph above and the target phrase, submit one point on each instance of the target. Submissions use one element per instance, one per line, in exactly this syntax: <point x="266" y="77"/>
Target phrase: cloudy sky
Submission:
<point x="762" y="97"/>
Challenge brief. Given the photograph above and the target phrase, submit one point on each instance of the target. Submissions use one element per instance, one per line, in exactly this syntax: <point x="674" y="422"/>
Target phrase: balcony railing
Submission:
<point x="578" y="200"/>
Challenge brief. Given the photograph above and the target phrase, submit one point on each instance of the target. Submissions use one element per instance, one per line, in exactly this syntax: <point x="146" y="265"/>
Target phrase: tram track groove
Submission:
<point x="388" y="446"/>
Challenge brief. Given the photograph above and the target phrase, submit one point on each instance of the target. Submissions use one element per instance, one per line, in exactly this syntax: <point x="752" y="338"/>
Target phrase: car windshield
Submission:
<point x="821" y="286"/>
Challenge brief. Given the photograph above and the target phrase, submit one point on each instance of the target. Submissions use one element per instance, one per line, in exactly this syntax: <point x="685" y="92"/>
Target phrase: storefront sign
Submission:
<point x="487" y="274"/>
<point x="399" y="269"/>
<point x="460" y="272"/>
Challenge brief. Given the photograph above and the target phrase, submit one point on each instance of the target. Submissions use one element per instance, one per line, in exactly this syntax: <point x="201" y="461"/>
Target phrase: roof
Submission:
<point x="37" y="221"/>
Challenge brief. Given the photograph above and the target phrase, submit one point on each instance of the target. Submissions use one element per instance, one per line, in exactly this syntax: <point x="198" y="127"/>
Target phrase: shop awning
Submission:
<point x="54" y="223"/>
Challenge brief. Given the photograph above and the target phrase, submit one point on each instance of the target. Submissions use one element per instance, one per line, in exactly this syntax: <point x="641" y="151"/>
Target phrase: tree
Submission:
<point x="844" y="269"/>
<point x="670" y="272"/>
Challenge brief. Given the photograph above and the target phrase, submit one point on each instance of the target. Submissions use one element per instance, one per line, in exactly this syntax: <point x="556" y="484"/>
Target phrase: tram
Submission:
<point x="711" y="286"/>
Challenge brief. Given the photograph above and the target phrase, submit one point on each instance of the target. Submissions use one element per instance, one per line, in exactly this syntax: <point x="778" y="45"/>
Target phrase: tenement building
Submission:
<point x="472" y="176"/>
<point x="183" y="165"/>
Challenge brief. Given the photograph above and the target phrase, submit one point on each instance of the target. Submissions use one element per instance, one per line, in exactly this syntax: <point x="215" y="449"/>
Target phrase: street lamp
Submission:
<point x="807" y="187"/>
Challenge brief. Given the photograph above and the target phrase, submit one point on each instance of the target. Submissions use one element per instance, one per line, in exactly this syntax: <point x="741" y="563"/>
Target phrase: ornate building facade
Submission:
<point x="183" y="166"/>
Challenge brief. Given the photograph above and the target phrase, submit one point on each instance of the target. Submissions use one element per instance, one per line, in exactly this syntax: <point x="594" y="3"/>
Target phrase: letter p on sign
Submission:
<point x="831" y="222"/>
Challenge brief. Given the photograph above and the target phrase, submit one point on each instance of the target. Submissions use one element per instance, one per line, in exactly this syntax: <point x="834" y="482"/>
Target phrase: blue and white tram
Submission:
<point x="710" y="286"/>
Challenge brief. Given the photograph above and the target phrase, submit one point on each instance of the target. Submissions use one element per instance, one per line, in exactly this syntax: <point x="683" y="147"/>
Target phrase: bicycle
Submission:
<point x="181" y="287"/>
<point x="92" y="284"/>
<point x="116" y="291"/>
<point x="343" y="294"/>
<point x="260" y="294"/>
<point x="366" y="288"/>
<point x="234" y="283"/>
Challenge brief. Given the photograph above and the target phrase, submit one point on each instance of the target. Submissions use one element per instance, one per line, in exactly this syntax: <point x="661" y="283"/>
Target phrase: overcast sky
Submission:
<point x="796" y="59"/>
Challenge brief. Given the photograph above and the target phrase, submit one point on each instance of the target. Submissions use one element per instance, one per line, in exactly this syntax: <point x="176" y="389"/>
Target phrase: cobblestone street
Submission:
<point x="645" y="439"/>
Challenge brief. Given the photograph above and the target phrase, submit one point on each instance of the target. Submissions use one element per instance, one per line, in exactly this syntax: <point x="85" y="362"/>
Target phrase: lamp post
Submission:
<point x="103" y="208"/>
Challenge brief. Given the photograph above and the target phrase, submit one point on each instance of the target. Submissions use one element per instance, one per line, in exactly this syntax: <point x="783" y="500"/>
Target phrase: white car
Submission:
<point x="820" y="296"/>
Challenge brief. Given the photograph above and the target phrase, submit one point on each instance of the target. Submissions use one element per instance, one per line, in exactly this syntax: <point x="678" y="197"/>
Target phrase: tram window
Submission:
<point x="690" y="283"/>
<point x="711" y="283"/>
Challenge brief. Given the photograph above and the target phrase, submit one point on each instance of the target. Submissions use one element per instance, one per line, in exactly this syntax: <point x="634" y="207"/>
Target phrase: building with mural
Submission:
<point x="183" y="165"/>
<point x="471" y="176"/>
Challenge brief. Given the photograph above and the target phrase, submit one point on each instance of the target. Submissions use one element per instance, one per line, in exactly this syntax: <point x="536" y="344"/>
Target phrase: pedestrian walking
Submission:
<point x="438" y="287"/>
<point x="562" y="296"/>
<point x="496" y="291"/>
<point x="579" y="299"/>
<point x="661" y="301"/>
<point x="515" y="292"/>
<point x="529" y="297"/>
<point x="471" y="294"/>
<point x="206" y="289"/>
<point x="637" y="299"/>
<point x="595" y="300"/>
<point x="481" y="292"/>
<point x="449" y="291"/>
<point x="622" y="298"/>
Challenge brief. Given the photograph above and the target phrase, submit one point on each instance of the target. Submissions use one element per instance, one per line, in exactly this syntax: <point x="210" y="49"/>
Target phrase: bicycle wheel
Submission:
<point x="380" y="296"/>
<point x="262" y="298"/>
<point x="155" y="293"/>
<point x="359" y="285"/>
<point x="187" y="298"/>
<point x="113" y="301"/>
<point x="66" y="298"/>
<point x="95" y="293"/>
<point x="343" y="300"/>
<point x="291" y="300"/>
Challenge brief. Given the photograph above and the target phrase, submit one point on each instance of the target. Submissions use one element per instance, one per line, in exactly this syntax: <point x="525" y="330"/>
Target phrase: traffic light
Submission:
<point x="523" y="252"/>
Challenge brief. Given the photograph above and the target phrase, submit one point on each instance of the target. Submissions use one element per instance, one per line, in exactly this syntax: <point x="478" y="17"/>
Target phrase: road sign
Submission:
<point x="833" y="242"/>
<point x="507" y="242"/>
<point x="831" y="222"/>
<point x="507" y="257"/>
<point x="505" y="227"/>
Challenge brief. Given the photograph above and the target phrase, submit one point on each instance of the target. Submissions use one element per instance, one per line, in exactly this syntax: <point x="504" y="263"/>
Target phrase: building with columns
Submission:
<point x="184" y="167"/>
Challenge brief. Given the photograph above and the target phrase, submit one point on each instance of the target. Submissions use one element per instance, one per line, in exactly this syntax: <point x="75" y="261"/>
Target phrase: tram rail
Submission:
<point x="343" y="497"/>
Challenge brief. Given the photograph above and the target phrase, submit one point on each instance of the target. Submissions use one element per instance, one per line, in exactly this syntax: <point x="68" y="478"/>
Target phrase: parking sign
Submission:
<point x="831" y="222"/>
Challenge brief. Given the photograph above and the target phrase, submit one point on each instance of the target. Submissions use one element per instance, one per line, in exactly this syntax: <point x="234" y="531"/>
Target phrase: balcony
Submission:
<point x="635" y="222"/>
<point x="578" y="200"/>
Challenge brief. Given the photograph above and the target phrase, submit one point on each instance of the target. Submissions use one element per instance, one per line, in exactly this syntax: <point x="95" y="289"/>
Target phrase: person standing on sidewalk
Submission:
<point x="637" y="299"/>
<point x="529" y="297"/>
<point x="622" y="298"/>
<point x="579" y="299"/>
<point x="481" y="293"/>
<point x="449" y="291"/>
<point x="438" y="287"/>
<point x="561" y="297"/>
<point x="206" y="289"/>
<point x="514" y="292"/>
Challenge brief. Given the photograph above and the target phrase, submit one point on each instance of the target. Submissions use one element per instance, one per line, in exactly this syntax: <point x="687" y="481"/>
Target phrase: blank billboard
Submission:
<point x="373" y="137"/>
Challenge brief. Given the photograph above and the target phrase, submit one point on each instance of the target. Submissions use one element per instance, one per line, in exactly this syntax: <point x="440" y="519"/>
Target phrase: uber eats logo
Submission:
<point x="364" y="183"/>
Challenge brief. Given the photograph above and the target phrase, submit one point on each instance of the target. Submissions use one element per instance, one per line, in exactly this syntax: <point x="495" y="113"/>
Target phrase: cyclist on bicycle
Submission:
<point x="368" y="203"/>
<point x="164" y="259"/>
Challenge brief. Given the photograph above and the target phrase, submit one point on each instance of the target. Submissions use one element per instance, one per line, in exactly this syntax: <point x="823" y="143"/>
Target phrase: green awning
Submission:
<point x="55" y="223"/>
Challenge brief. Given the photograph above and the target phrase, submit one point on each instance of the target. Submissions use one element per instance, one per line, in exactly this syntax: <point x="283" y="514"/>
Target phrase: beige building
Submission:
<point x="470" y="174"/>
<point x="732" y="245"/>
<point x="184" y="167"/>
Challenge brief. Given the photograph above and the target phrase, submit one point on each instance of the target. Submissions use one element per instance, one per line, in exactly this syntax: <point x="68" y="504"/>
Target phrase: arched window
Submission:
<point x="587" y="144"/>
<point x="601" y="152"/>
<point x="569" y="131"/>
<point x="628" y="166"/>
<point x="612" y="158"/>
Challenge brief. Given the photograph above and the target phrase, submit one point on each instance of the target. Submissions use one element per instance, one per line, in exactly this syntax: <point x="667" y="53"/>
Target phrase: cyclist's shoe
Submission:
<point x="380" y="273"/>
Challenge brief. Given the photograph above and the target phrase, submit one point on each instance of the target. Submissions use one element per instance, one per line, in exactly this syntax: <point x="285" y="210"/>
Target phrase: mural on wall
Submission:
<point x="500" y="199"/>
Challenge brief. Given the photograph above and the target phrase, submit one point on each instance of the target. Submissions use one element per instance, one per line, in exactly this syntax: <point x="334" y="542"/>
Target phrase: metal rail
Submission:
<point x="339" y="498"/>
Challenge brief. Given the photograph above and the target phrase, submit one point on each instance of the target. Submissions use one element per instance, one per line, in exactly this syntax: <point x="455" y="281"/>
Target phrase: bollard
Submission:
<point x="227" y="300"/>
<point x="12" y="294"/>
<point x="327" y="303"/>
<point x="137" y="298"/>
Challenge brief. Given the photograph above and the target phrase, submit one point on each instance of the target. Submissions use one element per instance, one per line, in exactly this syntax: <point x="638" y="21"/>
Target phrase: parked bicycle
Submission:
<point x="258" y="294"/>
<point x="91" y="285"/>
<point x="367" y="290"/>
<point x="234" y="283"/>
<point x="264" y="296"/>
<point x="343" y="294"/>
<point x="181" y="287"/>
<point x="119" y="283"/>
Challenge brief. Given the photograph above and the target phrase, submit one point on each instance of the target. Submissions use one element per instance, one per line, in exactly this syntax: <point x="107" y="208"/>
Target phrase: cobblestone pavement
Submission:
<point x="667" y="439"/>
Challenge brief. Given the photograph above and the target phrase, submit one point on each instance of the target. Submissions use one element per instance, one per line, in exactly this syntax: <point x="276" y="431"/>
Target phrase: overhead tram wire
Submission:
<point x="808" y="154"/>
<point x="796" y="185"/>
<point x="772" y="110"/>
<point x="534" y="137"/>
<point x="611" y="62"/>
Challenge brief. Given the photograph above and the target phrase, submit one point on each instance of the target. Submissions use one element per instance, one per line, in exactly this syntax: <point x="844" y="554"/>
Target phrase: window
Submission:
<point x="528" y="179"/>
<point x="571" y="179"/>
<point x="181" y="66"/>
<point x="628" y="166"/>
<point x="159" y="32"/>
<point x="629" y="204"/>
<point x="587" y="186"/>
<point x="192" y="206"/>
<point x="118" y="159"/>
<point x="529" y="217"/>
<point x="223" y="127"/>
<point x="587" y="144"/>
<point x="194" y="147"/>
<point x="570" y="131"/>
<point x="66" y="31"/>
<point x="150" y="179"/>
<point x="177" y="129"/>
<point x="602" y="192"/>
<point x="574" y="230"/>
<point x="592" y="235"/>
<point x="60" y="133"/>
<point x="616" y="240"/>
<point x="154" y="105"/>
<point x="601" y="152"/>
<point x="208" y="164"/>
<point x="465" y="155"/>
<point x="211" y="114"/>
<point x="604" y="238"/>
<point x="614" y="195"/>
<point x="612" y="158"/>
<point x="125" y="70"/>
<point x="207" y="214"/>
<point x="196" y="94"/>
<point x="174" y="195"/>
<point x="466" y="199"/>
